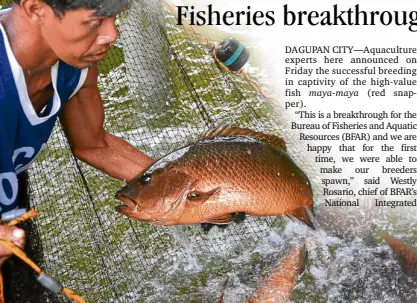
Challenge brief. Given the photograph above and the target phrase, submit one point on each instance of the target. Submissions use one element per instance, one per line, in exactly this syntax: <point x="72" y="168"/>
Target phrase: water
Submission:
<point x="348" y="261"/>
<point x="110" y="258"/>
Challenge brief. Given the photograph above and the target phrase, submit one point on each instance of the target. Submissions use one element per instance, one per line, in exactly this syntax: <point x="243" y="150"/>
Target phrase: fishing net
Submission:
<point x="161" y="89"/>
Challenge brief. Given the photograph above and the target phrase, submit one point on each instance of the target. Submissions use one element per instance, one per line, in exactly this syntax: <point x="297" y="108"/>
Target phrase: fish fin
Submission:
<point x="302" y="215"/>
<point x="201" y="197"/>
<point x="227" y="130"/>
<point x="208" y="226"/>
<point x="222" y="291"/>
<point x="222" y="219"/>
<point x="239" y="217"/>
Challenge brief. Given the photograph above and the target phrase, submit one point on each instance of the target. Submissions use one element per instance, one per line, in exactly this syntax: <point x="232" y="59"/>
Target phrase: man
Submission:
<point x="48" y="61"/>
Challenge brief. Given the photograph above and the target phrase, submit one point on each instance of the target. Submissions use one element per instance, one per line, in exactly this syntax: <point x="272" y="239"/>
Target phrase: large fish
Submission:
<point x="406" y="254"/>
<point x="228" y="171"/>
<point x="278" y="285"/>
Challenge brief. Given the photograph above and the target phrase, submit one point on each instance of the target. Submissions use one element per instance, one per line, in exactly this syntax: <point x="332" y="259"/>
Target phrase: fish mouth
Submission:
<point x="165" y="210"/>
<point x="129" y="205"/>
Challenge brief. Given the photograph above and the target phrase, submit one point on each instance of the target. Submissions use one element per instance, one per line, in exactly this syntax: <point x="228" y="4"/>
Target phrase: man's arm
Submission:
<point x="82" y="119"/>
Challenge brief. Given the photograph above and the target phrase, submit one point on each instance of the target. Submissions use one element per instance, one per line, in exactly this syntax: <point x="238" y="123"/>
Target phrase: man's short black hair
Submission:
<point x="104" y="8"/>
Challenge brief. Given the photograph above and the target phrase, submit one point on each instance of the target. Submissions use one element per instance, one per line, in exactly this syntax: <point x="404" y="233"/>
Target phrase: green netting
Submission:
<point x="161" y="89"/>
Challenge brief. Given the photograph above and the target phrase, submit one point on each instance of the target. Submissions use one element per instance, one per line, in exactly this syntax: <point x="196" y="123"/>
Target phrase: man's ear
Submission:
<point x="34" y="9"/>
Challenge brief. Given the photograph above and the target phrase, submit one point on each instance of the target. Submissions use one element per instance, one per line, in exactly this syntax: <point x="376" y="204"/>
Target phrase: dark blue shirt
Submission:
<point x="24" y="133"/>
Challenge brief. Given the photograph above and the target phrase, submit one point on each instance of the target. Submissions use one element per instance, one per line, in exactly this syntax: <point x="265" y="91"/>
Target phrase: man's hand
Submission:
<point x="14" y="235"/>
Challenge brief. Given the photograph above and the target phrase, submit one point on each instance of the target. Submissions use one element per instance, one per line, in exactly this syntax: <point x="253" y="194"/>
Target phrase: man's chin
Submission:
<point x="80" y="63"/>
<point x="84" y="64"/>
<point x="88" y="65"/>
<point x="85" y="60"/>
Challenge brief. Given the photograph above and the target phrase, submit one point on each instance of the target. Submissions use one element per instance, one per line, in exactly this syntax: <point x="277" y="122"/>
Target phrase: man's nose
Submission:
<point x="108" y="33"/>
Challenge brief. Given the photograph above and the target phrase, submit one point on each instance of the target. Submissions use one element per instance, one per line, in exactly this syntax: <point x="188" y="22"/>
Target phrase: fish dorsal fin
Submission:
<point x="227" y="130"/>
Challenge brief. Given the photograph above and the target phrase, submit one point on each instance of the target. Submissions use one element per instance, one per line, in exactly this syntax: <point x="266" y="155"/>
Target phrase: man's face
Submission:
<point x="79" y="38"/>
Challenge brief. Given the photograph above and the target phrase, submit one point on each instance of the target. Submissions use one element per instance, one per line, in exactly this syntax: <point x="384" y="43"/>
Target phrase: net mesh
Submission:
<point x="161" y="89"/>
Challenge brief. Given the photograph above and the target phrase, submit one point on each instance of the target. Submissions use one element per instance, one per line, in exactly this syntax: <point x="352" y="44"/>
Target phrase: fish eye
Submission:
<point x="193" y="196"/>
<point x="145" y="179"/>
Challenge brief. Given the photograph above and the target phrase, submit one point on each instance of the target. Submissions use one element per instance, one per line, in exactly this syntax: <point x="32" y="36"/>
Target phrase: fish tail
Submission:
<point x="302" y="214"/>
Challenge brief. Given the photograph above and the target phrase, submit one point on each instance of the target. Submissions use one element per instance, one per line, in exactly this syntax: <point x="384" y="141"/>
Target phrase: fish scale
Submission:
<point x="226" y="174"/>
<point x="279" y="283"/>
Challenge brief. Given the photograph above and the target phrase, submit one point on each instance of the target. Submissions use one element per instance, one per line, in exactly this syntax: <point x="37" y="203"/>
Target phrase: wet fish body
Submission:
<point x="278" y="285"/>
<point x="229" y="170"/>
<point x="405" y="253"/>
